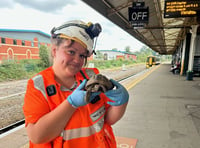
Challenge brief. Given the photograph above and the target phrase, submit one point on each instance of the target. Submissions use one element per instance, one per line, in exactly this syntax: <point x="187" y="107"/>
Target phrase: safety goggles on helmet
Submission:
<point x="78" y="31"/>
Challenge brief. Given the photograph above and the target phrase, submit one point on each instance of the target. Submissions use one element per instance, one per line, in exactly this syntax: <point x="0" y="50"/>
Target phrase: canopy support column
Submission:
<point x="192" y="51"/>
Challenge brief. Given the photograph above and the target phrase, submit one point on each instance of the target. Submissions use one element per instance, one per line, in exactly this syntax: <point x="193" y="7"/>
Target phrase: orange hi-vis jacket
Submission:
<point x="86" y="128"/>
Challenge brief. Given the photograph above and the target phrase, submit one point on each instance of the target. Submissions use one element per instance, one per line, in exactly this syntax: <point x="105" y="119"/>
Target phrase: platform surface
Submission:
<point x="160" y="113"/>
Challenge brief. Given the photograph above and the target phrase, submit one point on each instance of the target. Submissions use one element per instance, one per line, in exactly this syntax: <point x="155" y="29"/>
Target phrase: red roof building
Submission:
<point x="21" y="44"/>
<point x="115" y="54"/>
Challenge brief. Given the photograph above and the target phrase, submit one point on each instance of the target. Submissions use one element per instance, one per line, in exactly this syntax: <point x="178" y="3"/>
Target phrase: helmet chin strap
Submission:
<point x="95" y="42"/>
<point x="94" y="52"/>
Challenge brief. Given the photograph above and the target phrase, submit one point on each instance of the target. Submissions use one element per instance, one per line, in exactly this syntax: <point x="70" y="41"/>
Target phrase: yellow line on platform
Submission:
<point x="141" y="77"/>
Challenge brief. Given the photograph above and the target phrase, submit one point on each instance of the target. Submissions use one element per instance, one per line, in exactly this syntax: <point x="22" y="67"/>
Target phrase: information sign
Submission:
<point x="138" y="16"/>
<point x="181" y="8"/>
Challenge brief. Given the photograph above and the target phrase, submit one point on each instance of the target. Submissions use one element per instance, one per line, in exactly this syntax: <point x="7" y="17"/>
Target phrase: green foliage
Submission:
<point x="44" y="56"/>
<point x="10" y="70"/>
<point x="106" y="64"/>
<point x="16" y="70"/>
<point x="31" y="66"/>
<point x="23" y="69"/>
<point x="143" y="53"/>
<point x="128" y="49"/>
<point x="114" y="49"/>
<point x="99" y="55"/>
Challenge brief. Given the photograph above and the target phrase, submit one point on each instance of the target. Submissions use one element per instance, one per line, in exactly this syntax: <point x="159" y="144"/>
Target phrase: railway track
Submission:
<point x="107" y="73"/>
<point x="12" y="126"/>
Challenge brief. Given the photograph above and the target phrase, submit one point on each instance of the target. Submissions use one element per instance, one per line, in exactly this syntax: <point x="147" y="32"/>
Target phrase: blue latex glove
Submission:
<point x="119" y="95"/>
<point x="76" y="99"/>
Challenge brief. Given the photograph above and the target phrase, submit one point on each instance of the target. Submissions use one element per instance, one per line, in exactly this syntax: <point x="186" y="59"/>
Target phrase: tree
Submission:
<point x="127" y="49"/>
<point x="143" y="53"/>
<point x="114" y="49"/>
<point x="44" y="56"/>
<point x="99" y="55"/>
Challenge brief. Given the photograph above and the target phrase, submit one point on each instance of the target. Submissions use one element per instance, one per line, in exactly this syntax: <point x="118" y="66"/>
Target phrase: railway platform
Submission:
<point x="163" y="112"/>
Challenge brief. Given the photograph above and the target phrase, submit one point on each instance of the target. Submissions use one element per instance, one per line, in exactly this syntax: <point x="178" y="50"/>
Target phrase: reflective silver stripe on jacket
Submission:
<point x="39" y="84"/>
<point x="97" y="114"/>
<point x="83" y="131"/>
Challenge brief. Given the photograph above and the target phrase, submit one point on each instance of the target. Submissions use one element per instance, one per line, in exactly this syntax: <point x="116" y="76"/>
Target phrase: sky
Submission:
<point x="43" y="15"/>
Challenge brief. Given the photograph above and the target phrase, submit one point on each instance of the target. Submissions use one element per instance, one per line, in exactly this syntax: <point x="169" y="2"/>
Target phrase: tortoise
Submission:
<point x="97" y="83"/>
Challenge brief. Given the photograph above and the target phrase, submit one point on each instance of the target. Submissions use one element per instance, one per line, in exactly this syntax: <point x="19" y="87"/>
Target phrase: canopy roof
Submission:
<point x="163" y="35"/>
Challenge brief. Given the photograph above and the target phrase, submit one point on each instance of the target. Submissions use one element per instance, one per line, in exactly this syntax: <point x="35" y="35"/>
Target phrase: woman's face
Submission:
<point x="68" y="60"/>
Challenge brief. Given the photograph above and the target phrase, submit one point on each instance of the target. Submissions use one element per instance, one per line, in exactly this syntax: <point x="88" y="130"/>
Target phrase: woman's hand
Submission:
<point x="118" y="96"/>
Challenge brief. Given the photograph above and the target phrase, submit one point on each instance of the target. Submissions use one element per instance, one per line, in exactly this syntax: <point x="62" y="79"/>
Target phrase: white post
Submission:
<point x="123" y="67"/>
<point x="192" y="47"/>
<point x="192" y="51"/>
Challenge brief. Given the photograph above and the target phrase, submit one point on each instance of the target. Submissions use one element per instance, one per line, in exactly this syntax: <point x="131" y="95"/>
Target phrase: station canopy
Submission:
<point x="161" y="34"/>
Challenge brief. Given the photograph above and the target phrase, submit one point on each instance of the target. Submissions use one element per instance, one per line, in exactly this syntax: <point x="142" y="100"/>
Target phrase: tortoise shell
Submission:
<point x="97" y="83"/>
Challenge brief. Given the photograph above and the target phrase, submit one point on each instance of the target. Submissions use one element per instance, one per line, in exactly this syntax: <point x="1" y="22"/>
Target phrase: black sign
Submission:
<point x="181" y="8"/>
<point x="138" y="16"/>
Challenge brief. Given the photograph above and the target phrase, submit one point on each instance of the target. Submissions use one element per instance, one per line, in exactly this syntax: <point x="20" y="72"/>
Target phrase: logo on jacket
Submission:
<point x="51" y="90"/>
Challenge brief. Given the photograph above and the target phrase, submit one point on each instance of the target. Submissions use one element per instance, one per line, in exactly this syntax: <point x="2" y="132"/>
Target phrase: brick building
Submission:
<point x="21" y="44"/>
<point x="115" y="54"/>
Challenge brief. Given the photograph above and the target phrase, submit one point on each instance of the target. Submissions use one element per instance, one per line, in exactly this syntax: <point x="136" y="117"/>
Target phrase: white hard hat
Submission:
<point x="78" y="31"/>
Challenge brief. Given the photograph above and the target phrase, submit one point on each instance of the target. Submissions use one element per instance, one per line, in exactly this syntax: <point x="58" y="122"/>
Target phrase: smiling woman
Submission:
<point x="55" y="97"/>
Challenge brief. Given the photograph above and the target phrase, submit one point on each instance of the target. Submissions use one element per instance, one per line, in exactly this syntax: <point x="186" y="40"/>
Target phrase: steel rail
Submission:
<point x="12" y="126"/>
<point x="17" y="94"/>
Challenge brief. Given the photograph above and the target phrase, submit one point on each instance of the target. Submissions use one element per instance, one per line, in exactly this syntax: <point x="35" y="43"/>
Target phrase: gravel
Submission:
<point x="11" y="110"/>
